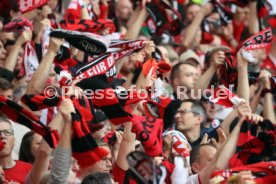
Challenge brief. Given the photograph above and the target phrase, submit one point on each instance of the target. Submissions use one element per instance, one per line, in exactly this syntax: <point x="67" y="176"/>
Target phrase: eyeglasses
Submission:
<point x="185" y="111"/>
<point x="7" y="132"/>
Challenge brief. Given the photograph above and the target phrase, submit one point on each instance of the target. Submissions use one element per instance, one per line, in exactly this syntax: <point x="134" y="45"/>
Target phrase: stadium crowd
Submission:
<point x="137" y="91"/>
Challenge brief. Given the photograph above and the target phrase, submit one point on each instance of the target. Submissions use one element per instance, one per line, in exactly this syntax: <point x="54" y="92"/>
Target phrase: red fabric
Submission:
<point x="169" y="167"/>
<point x="119" y="175"/>
<point x="153" y="66"/>
<point x="28" y="5"/>
<point x="18" y="24"/>
<point x="104" y="11"/>
<point x="149" y="131"/>
<point x="18" y="172"/>
<point x="223" y="96"/>
<point x="259" y="40"/>
<point x="272" y="21"/>
<point x="74" y="11"/>
<point x="238" y="27"/>
<point x="5" y="6"/>
<point x="266" y="168"/>
<point x="268" y="64"/>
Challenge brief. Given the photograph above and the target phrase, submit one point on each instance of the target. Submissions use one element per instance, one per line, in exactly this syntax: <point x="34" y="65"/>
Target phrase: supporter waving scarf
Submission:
<point x="255" y="144"/>
<point x="30" y="62"/>
<point x="22" y="116"/>
<point x="147" y="129"/>
<point x="224" y="12"/>
<point x="104" y="97"/>
<point x="157" y="10"/>
<point x="228" y="72"/>
<point x="263" y="6"/>
<point x="84" y="147"/>
<point x="263" y="172"/>
<point x="224" y="97"/>
<point x="260" y="40"/>
<point x="105" y="62"/>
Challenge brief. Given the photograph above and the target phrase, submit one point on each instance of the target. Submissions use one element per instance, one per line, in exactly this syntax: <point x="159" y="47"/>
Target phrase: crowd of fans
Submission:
<point x="150" y="91"/>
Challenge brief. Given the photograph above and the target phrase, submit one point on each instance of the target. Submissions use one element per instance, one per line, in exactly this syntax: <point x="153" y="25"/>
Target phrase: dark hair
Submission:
<point x="5" y="84"/>
<point x="195" y="153"/>
<point x="198" y="107"/>
<point x="176" y="68"/>
<point x="191" y="3"/>
<point x="25" y="154"/>
<point x="9" y="43"/>
<point x="3" y="118"/>
<point x="97" y="178"/>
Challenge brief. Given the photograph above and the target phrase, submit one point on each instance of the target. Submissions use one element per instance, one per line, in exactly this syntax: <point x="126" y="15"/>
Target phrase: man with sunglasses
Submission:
<point x="189" y="120"/>
<point x="15" y="170"/>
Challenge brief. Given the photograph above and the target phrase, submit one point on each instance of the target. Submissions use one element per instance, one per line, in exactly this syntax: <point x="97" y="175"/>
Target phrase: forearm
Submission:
<point x="126" y="147"/>
<point x="204" y="80"/>
<point x="228" y="149"/>
<point x="84" y="13"/>
<point x="38" y="38"/>
<point x="253" y="18"/>
<point x="62" y="157"/>
<point x="41" y="163"/>
<point x="268" y="108"/>
<point x="255" y="101"/>
<point x="225" y="125"/>
<point x="133" y="17"/>
<point x="192" y="29"/>
<point x="133" y="31"/>
<point x="60" y="166"/>
<point x="40" y="76"/>
<point x="243" y="83"/>
<point x="12" y="57"/>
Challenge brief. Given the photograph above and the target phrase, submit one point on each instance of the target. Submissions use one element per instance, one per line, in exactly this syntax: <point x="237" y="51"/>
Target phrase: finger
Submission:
<point x="205" y="139"/>
<point x="213" y="141"/>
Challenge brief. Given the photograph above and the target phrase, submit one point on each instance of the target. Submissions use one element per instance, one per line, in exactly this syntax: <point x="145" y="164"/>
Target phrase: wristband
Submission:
<point x="265" y="91"/>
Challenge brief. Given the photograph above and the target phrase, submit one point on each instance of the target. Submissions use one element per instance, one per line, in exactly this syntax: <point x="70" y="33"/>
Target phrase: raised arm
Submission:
<point x="225" y="152"/>
<point x="216" y="58"/>
<point x="62" y="155"/>
<point x="268" y="98"/>
<point x="127" y="145"/>
<point x="192" y="29"/>
<point x="134" y="29"/>
<point x="37" y="83"/>
<point x="42" y="160"/>
<point x="12" y="57"/>
<point x="243" y="83"/>
<point x="253" y="18"/>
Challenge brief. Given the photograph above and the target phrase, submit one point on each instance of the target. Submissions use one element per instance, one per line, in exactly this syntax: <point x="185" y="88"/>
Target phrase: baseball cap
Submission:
<point x="189" y="54"/>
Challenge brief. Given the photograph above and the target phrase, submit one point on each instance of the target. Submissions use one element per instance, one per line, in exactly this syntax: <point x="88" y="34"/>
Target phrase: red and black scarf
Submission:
<point x="84" y="147"/>
<point x="263" y="172"/>
<point x="24" y="117"/>
<point x="92" y="26"/>
<point x="255" y="144"/>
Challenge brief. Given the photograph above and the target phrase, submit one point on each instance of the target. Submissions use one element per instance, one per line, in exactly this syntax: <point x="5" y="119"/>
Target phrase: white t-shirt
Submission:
<point x="193" y="179"/>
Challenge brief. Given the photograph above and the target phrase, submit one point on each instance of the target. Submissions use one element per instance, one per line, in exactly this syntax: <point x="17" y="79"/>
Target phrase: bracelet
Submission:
<point x="265" y="91"/>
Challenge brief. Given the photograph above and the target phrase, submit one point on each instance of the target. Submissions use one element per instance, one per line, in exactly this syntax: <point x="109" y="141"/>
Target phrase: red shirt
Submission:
<point x="18" y="172"/>
<point x="269" y="63"/>
<point x="119" y="175"/>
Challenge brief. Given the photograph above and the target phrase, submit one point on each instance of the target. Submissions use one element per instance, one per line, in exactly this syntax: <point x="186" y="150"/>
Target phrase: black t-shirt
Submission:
<point x="212" y="134"/>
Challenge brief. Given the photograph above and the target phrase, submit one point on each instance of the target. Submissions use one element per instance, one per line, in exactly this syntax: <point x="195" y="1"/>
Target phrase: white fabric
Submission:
<point x="193" y="179"/>
<point x="180" y="173"/>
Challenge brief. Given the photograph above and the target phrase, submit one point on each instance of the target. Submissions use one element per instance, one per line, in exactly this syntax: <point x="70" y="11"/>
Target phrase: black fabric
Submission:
<point x="82" y="41"/>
